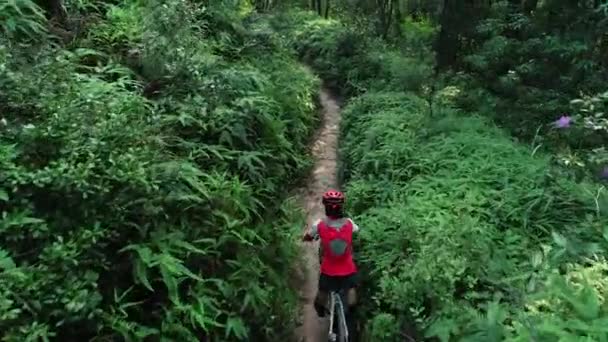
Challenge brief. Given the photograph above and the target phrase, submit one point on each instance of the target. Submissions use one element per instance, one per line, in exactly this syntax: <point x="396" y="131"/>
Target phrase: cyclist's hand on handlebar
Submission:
<point x="307" y="237"/>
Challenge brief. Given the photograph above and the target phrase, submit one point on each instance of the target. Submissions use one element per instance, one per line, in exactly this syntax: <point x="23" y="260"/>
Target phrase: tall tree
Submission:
<point x="385" y="15"/>
<point x="54" y="10"/>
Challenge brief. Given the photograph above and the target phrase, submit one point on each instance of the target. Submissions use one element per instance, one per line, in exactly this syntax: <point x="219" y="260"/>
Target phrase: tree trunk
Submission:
<point x="398" y="19"/>
<point x="388" y="19"/>
<point x="529" y="6"/>
<point x="327" y="9"/>
<point x="447" y="40"/>
<point x="54" y="10"/>
<point x="385" y="14"/>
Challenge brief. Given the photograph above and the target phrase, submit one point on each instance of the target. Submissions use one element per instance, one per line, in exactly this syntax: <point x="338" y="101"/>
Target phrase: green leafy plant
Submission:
<point x="464" y="230"/>
<point x="145" y="171"/>
<point x="21" y="19"/>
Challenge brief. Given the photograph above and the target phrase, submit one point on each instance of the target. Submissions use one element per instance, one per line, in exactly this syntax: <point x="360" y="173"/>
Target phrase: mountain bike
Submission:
<point x="338" y="327"/>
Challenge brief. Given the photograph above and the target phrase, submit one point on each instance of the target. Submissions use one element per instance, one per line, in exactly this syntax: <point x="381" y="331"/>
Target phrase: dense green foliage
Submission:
<point x="520" y="62"/>
<point x="146" y="149"/>
<point x="525" y="65"/>
<point x="466" y="234"/>
<point x="463" y="219"/>
<point x="350" y="62"/>
<point x="145" y="154"/>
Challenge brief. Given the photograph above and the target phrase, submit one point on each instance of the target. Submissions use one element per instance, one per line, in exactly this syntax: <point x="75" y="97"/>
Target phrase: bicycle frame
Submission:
<point x="336" y="308"/>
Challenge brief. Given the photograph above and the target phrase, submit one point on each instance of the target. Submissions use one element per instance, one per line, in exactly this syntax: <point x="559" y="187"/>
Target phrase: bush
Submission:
<point x="465" y="233"/>
<point x="141" y="173"/>
<point x="350" y="62"/>
<point x="452" y="211"/>
<point x="531" y="65"/>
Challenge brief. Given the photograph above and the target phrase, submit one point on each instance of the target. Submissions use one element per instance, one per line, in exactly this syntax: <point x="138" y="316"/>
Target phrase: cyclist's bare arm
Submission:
<point x="355" y="226"/>
<point x="312" y="233"/>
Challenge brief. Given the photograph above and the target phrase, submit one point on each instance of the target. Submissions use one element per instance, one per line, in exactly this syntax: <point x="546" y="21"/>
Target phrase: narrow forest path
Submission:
<point x="323" y="176"/>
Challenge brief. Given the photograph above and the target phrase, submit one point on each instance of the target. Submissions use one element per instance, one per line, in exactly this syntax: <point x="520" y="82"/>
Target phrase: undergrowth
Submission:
<point x="349" y="61"/>
<point x="525" y="68"/>
<point x="145" y="160"/>
<point x="466" y="234"/>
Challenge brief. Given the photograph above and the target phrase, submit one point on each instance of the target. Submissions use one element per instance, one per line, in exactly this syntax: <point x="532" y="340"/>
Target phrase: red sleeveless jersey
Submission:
<point x="337" y="249"/>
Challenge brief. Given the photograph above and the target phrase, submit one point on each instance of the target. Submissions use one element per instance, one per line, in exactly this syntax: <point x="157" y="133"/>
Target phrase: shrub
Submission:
<point x="21" y="20"/>
<point x="451" y="211"/>
<point x="139" y="196"/>
<point x="532" y="65"/>
<point x="349" y="61"/>
<point x="465" y="233"/>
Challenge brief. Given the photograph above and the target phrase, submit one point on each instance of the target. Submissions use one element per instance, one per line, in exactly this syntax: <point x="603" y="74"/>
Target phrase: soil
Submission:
<point x="324" y="175"/>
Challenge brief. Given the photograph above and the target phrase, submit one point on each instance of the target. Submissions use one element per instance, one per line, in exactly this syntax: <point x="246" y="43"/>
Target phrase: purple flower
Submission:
<point x="604" y="173"/>
<point x="563" y="122"/>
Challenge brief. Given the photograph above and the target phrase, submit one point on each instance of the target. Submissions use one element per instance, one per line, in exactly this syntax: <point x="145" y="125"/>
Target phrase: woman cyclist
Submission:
<point x="338" y="269"/>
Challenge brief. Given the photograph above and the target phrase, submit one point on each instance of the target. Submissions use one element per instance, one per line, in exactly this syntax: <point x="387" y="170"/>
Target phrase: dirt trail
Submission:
<point x="323" y="176"/>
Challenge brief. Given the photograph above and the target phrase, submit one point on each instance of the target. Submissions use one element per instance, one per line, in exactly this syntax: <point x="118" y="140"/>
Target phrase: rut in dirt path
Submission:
<point x="323" y="176"/>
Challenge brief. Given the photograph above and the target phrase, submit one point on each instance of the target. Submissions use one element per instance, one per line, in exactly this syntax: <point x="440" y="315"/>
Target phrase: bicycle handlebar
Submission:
<point x="308" y="238"/>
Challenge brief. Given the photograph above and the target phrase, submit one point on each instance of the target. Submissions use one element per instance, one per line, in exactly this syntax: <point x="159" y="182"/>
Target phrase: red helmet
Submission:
<point x="333" y="197"/>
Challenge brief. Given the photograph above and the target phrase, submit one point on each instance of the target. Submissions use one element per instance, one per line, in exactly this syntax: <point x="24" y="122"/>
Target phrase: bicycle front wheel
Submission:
<point x="342" y="328"/>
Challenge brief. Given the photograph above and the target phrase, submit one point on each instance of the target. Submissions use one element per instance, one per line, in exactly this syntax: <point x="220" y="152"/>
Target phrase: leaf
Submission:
<point x="175" y="266"/>
<point x="591" y="302"/>
<point x="532" y="282"/>
<point x="6" y="262"/>
<point x="3" y="196"/>
<point x="559" y="239"/>
<point x="140" y="270"/>
<point x="605" y="233"/>
<point x="537" y="259"/>
<point x="144" y="252"/>
<point x="171" y="283"/>
<point x="29" y="220"/>
<point x="188" y="246"/>
<point x="143" y="331"/>
<point x="441" y="329"/>
<point x="236" y="327"/>
<point x="205" y="312"/>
